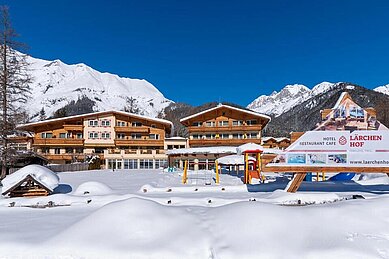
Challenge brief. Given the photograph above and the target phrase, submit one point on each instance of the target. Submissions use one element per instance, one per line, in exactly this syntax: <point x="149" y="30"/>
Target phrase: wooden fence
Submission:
<point x="61" y="168"/>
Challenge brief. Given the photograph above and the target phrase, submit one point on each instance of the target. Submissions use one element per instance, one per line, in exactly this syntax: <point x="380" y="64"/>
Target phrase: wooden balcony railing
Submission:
<point x="138" y="142"/>
<point x="66" y="156"/>
<point x="58" y="142"/>
<point x="256" y="127"/>
<point x="222" y="142"/>
<point x="71" y="127"/>
<point x="132" y="129"/>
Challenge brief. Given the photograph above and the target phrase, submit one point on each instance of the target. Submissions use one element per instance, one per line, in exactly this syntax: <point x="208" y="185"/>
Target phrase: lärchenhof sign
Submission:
<point x="343" y="148"/>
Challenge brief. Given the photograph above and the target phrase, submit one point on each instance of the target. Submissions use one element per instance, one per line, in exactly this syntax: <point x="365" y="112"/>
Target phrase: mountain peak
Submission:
<point x="56" y="84"/>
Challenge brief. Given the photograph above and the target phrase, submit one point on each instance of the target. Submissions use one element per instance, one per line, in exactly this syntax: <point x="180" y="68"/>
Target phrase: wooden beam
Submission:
<point x="296" y="182"/>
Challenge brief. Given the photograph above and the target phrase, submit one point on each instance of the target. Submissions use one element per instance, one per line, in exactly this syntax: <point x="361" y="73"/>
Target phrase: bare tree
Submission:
<point x="14" y="85"/>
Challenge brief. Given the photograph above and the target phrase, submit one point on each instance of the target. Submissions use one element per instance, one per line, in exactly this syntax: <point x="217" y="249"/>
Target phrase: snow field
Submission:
<point x="123" y="221"/>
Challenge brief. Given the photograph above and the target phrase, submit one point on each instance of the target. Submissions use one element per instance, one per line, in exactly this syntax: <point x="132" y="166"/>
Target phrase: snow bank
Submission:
<point x="233" y="160"/>
<point x="203" y="150"/>
<point x="93" y="188"/>
<point x="40" y="173"/>
<point x="137" y="228"/>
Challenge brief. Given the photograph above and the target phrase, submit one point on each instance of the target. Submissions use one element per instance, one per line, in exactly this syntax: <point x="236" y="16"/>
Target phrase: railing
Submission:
<point x="256" y="127"/>
<point x="223" y="142"/>
<point x="73" y="127"/>
<point x="134" y="151"/>
<point x="58" y="141"/>
<point x="132" y="129"/>
<point x="65" y="156"/>
<point x="138" y="142"/>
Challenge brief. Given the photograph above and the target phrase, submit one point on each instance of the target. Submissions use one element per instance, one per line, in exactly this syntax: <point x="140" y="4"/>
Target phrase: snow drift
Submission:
<point x="40" y="173"/>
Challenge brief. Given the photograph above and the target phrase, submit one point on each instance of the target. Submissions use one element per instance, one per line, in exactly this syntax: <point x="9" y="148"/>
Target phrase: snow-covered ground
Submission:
<point x="150" y="214"/>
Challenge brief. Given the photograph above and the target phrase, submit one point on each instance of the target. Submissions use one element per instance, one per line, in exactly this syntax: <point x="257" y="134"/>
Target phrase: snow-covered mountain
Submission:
<point x="383" y="89"/>
<point x="55" y="84"/>
<point x="290" y="96"/>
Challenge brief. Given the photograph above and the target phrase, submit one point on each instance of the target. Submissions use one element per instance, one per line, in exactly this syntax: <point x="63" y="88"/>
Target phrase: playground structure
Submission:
<point x="197" y="177"/>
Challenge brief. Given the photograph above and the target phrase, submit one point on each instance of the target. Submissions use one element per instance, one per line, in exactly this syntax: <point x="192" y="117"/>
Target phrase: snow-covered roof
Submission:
<point x="39" y="173"/>
<point x="248" y="146"/>
<point x="203" y="150"/>
<point x="252" y="146"/>
<point x="264" y="139"/>
<point x="228" y="107"/>
<point x="97" y="114"/>
<point x="233" y="160"/>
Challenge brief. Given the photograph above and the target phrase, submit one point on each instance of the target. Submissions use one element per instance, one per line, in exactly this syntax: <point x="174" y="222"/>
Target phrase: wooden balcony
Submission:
<point x="139" y="142"/>
<point x="58" y="142"/>
<point x="71" y="127"/>
<point x="221" y="142"/>
<point x="215" y="129"/>
<point x="133" y="129"/>
<point x="66" y="156"/>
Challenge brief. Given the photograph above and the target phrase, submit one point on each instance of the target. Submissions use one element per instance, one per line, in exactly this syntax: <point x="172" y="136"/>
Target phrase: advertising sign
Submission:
<point x="343" y="148"/>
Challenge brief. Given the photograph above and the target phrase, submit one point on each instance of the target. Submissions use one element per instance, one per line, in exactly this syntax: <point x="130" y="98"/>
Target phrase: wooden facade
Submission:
<point x="225" y="125"/>
<point x="28" y="187"/>
<point x="71" y="139"/>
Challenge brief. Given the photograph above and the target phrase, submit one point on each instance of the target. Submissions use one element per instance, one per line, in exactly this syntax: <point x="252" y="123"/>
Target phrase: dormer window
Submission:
<point x="223" y="123"/>
<point x="47" y="135"/>
<point x="251" y="122"/>
<point x="210" y="124"/>
<point x="237" y="123"/>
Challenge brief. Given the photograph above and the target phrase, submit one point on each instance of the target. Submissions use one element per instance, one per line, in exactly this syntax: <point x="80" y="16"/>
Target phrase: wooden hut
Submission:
<point x="30" y="181"/>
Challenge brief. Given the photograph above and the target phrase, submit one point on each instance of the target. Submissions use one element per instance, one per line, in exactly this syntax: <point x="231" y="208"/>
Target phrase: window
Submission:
<point x="224" y="136"/>
<point x="160" y="163"/>
<point x="223" y="123"/>
<point x="136" y="124"/>
<point x="210" y="136"/>
<point x="47" y="135"/>
<point x="146" y="164"/>
<point x="130" y="163"/>
<point x="251" y="122"/>
<point x="237" y="123"/>
<point x="93" y="123"/>
<point x="121" y="136"/>
<point x="196" y="136"/>
<point x="45" y="150"/>
<point x="153" y="126"/>
<point x="154" y="136"/>
<point x="79" y="150"/>
<point x="197" y="124"/>
<point x="93" y="135"/>
<point x="57" y="151"/>
<point x="136" y="136"/>
<point x="79" y="135"/>
<point x="105" y="135"/>
<point x="121" y="123"/>
<point x="62" y="135"/>
<point x="210" y="124"/>
<point x="252" y="135"/>
<point x="238" y="136"/>
<point x="69" y="150"/>
<point x="105" y="123"/>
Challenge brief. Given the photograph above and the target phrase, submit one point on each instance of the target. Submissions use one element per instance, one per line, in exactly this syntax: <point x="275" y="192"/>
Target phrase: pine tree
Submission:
<point x="42" y="114"/>
<point x="14" y="85"/>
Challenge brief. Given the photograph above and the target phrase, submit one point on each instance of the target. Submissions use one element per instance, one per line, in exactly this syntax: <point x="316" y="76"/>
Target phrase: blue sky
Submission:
<point x="203" y="51"/>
